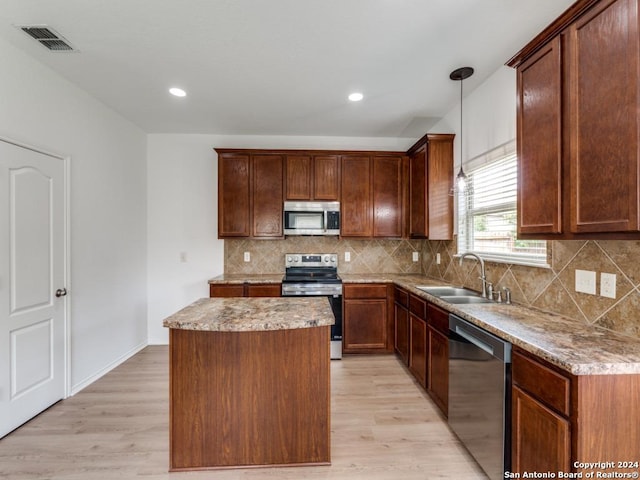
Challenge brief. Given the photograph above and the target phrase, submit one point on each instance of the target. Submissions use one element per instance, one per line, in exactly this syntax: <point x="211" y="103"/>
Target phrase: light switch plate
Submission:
<point x="438" y="259"/>
<point x="586" y="281"/>
<point x="608" y="285"/>
<point x="347" y="256"/>
<point x="247" y="256"/>
<point x="416" y="256"/>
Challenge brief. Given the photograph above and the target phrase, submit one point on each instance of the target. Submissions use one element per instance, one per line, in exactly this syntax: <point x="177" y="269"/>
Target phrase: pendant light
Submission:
<point x="459" y="75"/>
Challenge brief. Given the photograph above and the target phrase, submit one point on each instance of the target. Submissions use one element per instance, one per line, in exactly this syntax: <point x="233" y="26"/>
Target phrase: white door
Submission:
<point x="32" y="269"/>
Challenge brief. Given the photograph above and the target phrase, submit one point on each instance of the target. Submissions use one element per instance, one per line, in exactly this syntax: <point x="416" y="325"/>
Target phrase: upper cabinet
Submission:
<point x="430" y="183"/>
<point x="312" y="177"/>
<point x="372" y="189"/>
<point x="578" y="158"/>
<point x="250" y="194"/>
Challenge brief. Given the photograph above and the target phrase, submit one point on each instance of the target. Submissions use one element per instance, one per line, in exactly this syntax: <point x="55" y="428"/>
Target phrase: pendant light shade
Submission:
<point x="459" y="75"/>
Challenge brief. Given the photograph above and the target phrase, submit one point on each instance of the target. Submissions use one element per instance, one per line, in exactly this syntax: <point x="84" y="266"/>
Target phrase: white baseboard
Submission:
<point x="88" y="381"/>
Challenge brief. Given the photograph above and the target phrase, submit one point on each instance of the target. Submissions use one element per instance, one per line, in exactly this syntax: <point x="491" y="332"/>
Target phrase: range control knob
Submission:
<point x="289" y="259"/>
<point x="326" y="258"/>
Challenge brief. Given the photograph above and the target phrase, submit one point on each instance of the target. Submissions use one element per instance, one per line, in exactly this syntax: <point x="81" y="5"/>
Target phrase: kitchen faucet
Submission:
<point x="483" y="275"/>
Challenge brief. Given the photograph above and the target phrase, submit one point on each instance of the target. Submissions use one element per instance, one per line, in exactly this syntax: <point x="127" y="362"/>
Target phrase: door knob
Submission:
<point x="61" y="292"/>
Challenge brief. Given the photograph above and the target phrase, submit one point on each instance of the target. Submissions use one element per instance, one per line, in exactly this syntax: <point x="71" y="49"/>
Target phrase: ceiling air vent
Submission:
<point x="48" y="38"/>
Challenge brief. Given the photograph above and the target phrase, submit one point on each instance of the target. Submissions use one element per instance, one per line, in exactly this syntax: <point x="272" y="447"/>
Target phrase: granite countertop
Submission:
<point x="574" y="346"/>
<point x="240" y="278"/>
<point x="242" y="314"/>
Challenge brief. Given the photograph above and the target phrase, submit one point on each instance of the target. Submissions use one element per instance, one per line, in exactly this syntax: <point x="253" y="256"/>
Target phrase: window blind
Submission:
<point x="487" y="215"/>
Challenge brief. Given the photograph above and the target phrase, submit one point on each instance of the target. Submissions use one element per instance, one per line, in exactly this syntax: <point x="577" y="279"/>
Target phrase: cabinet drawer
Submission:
<point x="226" y="290"/>
<point x="418" y="307"/>
<point x="540" y="381"/>
<point x="365" y="290"/>
<point x="401" y="296"/>
<point x="264" y="290"/>
<point x="438" y="319"/>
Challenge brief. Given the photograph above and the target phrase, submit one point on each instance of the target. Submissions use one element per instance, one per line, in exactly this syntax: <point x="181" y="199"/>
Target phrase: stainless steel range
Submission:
<point x="316" y="275"/>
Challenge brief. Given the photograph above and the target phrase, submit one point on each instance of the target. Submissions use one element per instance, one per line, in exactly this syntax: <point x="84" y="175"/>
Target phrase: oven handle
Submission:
<point x="325" y="220"/>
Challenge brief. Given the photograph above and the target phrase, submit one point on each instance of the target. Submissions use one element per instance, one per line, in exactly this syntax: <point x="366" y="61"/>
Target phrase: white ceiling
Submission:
<point x="279" y="67"/>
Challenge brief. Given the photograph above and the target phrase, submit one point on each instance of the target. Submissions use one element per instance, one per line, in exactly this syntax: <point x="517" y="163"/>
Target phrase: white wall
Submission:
<point x="108" y="207"/>
<point x="183" y="212"/>
<point x="489" y="116"/>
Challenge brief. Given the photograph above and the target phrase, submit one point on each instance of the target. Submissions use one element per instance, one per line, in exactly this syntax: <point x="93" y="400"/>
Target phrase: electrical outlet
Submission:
<point x="347" y="256"/>
<point x="586" y="281"/>
<point x="247" y="256"/>
<point x="416" y="256"/>
<point x="608" y="285"/>
<point x="438" y="260"/>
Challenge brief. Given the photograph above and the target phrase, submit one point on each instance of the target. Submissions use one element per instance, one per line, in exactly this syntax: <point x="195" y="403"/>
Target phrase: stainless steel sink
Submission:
<point x="456" y="295"/>
<point x="459" y="299"/>
<point x="448" y="291"/>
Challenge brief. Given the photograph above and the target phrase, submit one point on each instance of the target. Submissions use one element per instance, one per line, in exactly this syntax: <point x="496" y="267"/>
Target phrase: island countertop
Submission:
<point x="253" y="314"/>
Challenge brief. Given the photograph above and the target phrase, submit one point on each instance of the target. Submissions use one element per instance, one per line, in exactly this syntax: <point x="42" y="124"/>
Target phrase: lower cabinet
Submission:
<point x="245" y="290"/>
<point x="401" y="324"/>
<point x="438" y="356"/>
<point x="418" y="339"/>
<point x="367" y="326"/>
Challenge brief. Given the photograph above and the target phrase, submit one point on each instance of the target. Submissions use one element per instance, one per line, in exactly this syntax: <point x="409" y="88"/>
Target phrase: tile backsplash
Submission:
<point x="553" y="289"/>
<point x="549" y="289"/>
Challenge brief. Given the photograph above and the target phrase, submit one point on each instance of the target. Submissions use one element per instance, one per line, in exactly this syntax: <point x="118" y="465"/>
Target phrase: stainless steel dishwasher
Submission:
<point x="480" y="394"/>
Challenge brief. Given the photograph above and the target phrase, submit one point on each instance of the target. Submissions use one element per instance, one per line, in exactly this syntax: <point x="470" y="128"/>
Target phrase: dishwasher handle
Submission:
<point x="476" y="341"/>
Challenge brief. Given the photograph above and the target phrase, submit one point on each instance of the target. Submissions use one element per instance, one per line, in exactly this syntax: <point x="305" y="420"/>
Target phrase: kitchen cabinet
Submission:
<point x="245" y="290"/>
<point x="372" y="196"/>
<point x="366" y="321"/>
<point x="438" y="356"/>
<point x="577" y="131"/>
<point x="559" y="419"/>
<point x="401" y="324"/>
<point x="312" y="177"/>
<point x="418" y="339"/>
<point x="430" y="184"/>
<point x="250" y="194"/>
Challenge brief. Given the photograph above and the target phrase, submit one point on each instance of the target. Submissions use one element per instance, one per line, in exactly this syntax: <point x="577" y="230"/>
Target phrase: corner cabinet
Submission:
<point x="578" y="125"/>
<point x="367" y="325"/>
<point x="250" y="194"/>
<point x="430" y="184"/>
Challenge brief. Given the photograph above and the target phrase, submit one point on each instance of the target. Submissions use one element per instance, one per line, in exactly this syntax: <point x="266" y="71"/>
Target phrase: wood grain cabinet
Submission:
<point x="577" y="133"/>
<point x="438" y="356"/>
<point x="418" y="339"/>
<point x="372" y="196"/>
<point x="401" y="324"/>
<point x="430" y="183"/>
<point x="250" y="194"/>
<point x="245" y="290"/>
<point x="312" y="177"/>
<point x="559" y="419"/>
<point x="366" y="321"/>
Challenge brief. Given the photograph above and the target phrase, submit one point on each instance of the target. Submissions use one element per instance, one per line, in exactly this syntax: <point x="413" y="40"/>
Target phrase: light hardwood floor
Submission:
<point x="383" y="427"/>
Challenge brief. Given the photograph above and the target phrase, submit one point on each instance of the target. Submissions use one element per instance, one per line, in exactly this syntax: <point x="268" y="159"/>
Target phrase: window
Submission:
<point x="487" y="211"/>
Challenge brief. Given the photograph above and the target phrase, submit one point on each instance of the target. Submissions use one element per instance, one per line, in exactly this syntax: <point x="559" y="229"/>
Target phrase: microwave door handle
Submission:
<point x="325" y="220"/>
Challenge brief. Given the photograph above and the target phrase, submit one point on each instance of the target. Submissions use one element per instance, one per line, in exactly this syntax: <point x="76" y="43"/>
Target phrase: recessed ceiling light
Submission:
<point x="356" y="97"/>
<point x="178" y="92"/>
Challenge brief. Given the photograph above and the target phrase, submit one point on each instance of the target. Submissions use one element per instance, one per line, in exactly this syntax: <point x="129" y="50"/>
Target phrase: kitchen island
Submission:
<point x="249" y="383"/>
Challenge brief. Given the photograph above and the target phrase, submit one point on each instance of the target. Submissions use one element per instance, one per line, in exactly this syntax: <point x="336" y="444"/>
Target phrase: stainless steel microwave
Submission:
<point x="312" y="218"/>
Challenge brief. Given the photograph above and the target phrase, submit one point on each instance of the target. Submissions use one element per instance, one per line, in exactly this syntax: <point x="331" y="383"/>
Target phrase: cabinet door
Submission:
<point x="539" y="142"/>
<point x="233" y="195"/>
<point x="418" y="349"/>
<point x="365" y="325"/>
<point x="401" y="316"/>
<point x="356" y="212"/>
<point x="387" y="196"/>
<point x="440" y="181"/>
<point x="603" y="95"/>
<point x="326" y="178"/>
<point x="418" y="209"/>
<point x="267" y="195"/>
<point x="298" y="185"/>
<point x="540" y="437"/>
<point x="438" y="363"/>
